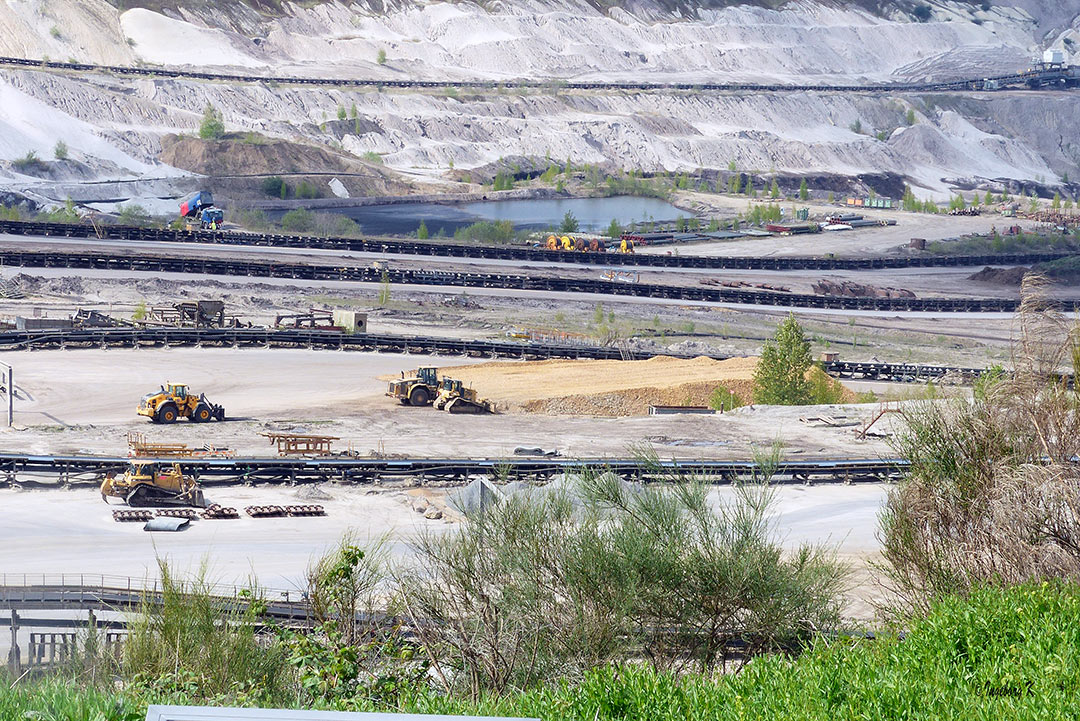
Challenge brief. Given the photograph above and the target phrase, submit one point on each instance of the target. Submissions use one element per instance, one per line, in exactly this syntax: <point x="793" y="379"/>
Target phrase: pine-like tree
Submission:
<point x="780" y="376"/>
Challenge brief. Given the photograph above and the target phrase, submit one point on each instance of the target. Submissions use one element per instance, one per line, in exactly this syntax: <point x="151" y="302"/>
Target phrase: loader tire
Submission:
<point x="167" y="413"/>
<point x="419" y="396"/>
<point x="202" y="413"/>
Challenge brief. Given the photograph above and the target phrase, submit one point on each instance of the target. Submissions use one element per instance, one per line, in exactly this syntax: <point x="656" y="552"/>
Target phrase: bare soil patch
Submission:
<point x="608" y="387"/>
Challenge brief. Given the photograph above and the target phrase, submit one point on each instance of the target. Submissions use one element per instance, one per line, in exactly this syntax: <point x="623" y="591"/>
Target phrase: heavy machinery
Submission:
<point x="454" y="397"/>
<point x="175" y="401"/>
<point x="419" y="389"/>
<point x="575" y="243"/>
<point x="199" y="212"/>
<point x="146" y="483"/>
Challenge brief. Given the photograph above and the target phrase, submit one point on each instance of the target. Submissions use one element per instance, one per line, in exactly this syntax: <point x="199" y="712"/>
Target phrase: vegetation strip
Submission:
<point x="496" y="252"/>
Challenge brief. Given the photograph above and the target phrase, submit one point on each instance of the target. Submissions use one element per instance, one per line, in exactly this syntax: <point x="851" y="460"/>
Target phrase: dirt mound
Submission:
<point x="1001" y="276"/>
<point x="608" y="387"/>
<point x="233" y="156"/>
<point x="850" y="289"/>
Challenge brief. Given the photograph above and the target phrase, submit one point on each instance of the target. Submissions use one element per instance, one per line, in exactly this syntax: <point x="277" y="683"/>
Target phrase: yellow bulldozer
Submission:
<point x="454" y="397"/>
<point x="174" y="400"/>
<point x="146" y="483"/>
<point x="418" y="389"/>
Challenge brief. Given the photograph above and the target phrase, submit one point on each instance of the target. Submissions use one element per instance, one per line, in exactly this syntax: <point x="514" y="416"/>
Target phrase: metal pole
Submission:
<point x="10" y="396"/>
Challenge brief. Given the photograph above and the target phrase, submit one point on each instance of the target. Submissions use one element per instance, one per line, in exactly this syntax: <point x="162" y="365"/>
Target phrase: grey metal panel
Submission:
<point x="166" y="523"/>
<point x="207" y="713"/>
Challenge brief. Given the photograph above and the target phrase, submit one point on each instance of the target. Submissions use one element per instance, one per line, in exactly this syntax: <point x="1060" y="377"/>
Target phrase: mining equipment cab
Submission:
<point x="418" y="389"/>
<point x="174" y="400"/>
<point x="199" y="212"/>
<point x="147" y="483"/>
<point x="454" y="397"/>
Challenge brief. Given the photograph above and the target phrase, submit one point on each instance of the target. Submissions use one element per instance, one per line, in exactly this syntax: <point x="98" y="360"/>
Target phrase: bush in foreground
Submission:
<point x="999" y="653"/>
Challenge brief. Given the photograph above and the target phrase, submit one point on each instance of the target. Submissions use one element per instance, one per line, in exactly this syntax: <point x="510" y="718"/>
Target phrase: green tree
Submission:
<point x="989" y="199"/>
<point x="680" y="224"/>
<point x="774" y="191"/>
<point x="60" y="152"/>
<point x="422" y="231"/>
<point x="731" y="166"/>
<point x="780" y="376"/>
<point x="856" y="127"/>
<point x="569" y="223"/>
<point x="714" y="225"/>
<point x="384" y="288"/>
<point x="614" y="230"/>
<point x="212" y="126"/>
<point x="341" y="114"/>
<point x="804" y="190"/>
<point x="911" y="116"/>
<point x="381" y="57"/>
<point x="1056" y="203"/>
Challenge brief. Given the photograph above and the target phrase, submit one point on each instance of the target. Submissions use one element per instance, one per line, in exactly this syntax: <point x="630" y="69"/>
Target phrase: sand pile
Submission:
<point x="607" y="387"/>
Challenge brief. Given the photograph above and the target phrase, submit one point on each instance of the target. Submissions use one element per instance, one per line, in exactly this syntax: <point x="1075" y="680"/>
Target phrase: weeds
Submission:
<point x="191" y="643"/>
<point x="991" y="495"/>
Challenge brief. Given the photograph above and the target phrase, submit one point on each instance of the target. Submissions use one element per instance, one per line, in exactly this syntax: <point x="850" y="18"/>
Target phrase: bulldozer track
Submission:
<point x="26" y="470"/>
<point x="147" y="263"/>
<point x="421" y="345"/>
<point x="457" y="250"/>
<point x="1033" y="79"/>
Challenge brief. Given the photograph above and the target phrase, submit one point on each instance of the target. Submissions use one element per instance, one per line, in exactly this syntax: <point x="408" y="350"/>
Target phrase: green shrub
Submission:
<point x="275" y="187"/>
<point x="300" y="220"/>
<point x="30" y="161"/>
<point x="60" y="151"/>
<point x="212" y="126"/>
<point x="487" y="231"/>
<point x="133" y="214"/>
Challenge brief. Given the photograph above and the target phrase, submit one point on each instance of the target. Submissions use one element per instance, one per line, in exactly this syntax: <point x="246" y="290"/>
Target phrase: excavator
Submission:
<point x="175" y="401"/>
<point x="145" y="483"/>
<point x="454" y="397"/>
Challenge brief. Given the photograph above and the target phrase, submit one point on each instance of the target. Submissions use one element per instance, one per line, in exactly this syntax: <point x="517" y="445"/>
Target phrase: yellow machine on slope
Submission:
<point x="454" y="397"/>
<point x="145" y="483"/>
<point x="175" y="401"/>
<point x="419" y="389"/>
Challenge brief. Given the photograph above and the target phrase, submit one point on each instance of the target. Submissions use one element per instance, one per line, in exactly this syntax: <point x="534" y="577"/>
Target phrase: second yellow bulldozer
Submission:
<point x="146" y="483"/>
<point x="174" y="400"/>
<point x="454" y="397"/>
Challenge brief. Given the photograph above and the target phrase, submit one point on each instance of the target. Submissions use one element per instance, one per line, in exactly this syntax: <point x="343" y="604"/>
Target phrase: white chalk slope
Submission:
<point x="118" y="123"/>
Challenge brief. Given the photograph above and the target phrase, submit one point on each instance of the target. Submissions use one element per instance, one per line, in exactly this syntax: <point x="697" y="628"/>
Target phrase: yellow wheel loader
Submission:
<point x="174" y="400"/>
<point x="146" y="483"/>
<point x="418" y="389"/>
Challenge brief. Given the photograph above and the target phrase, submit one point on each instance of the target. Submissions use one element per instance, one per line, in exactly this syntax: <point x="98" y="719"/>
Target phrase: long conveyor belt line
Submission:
<point x="23" y="469"/>
<point x="517" y="252"/>
<point x="390" y="343"/>
<point x="151" y="263"/>
<point x="1036" y="78"/>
